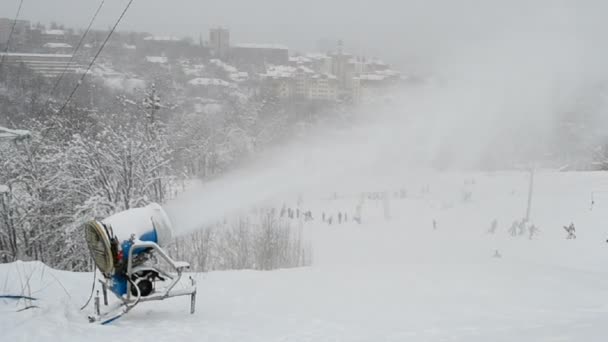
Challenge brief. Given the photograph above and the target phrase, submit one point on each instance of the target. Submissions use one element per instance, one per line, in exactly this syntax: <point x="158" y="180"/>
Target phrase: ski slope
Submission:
<point x="382" y="280"/>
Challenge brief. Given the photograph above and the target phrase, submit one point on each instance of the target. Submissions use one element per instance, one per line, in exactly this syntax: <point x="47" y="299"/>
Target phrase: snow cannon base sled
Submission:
<point x="126" y="248"/>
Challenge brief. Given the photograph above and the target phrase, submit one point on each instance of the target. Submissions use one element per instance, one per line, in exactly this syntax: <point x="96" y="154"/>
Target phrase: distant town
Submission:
<point x="209" y="66"/>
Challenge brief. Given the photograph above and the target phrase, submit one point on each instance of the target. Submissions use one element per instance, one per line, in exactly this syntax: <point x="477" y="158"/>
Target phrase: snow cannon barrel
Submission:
<point x="149" y="223"/>
<point x="109" y="240"/>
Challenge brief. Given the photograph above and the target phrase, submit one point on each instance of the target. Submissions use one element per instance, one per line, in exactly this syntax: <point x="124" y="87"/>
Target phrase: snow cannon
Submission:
<point x="127" y="249"/>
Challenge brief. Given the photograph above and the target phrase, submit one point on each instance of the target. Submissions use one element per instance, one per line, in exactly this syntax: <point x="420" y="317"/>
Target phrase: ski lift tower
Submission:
<point x="530" y="191"/>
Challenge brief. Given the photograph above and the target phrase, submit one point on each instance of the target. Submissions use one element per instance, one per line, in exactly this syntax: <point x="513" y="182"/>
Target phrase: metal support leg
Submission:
<point x="97" y="309"/>
<point x="193" y="297"/>
<point x="104" y="290"/>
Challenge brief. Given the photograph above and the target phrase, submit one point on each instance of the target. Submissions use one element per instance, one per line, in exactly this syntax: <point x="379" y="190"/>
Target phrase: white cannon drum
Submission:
<point x="124" y="247"/>
<point x="107" y="238"/>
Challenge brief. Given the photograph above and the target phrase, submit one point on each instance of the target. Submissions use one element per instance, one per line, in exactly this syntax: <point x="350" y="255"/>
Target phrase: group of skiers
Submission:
<point x="295" y="213"/>
<point x="518" y="228"/>
<point x="340" y="217"/>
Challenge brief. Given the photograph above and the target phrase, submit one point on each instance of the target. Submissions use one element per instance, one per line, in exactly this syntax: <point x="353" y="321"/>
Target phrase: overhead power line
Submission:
<point x="80" y="81"/>
<point x="60" y="77"/>
<point x="10" y="35"/>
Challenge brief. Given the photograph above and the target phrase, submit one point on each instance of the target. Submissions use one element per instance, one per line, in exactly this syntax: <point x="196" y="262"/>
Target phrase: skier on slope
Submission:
<point x="283" y="210"/>
<point x="522" y="227"/>
<point x="571" y="231"/>
<point x="531" y="231"/>
<point x="493" y="227"/>
<point x="513" y="229"/>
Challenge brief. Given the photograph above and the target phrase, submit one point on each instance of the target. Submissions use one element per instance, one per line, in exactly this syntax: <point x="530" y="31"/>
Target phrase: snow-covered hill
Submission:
<point x="382" y="280"/>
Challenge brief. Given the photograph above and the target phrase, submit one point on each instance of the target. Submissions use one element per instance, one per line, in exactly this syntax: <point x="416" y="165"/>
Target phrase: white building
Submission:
<point x="46" y="64"/>
<point x="288" y="82"/>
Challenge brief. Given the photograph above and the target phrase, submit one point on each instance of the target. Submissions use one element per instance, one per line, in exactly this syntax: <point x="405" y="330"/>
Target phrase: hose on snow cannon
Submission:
<point x="126" y="247"/>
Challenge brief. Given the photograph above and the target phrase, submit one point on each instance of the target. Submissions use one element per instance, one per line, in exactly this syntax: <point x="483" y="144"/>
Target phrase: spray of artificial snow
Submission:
<point x="490" y="100"/>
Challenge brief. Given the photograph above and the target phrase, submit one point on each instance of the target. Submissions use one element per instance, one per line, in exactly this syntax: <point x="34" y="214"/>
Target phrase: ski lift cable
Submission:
<point x="95" y="57"/>
<point x="67" y="66"/>
<point x="10" y="34"/>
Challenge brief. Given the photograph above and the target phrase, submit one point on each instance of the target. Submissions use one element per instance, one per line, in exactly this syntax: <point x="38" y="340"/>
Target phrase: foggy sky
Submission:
<point x="401" y="31"/>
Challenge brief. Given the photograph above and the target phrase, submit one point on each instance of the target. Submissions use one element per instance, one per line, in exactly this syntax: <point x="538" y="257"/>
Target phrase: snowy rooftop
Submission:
<point x="203" y="81"/>
<point x="325" y="75"/>
<point x="377" y="61"/>
<point x="227" y="67"/>
<point x="163" y="38"/>
<point x="55" y="32"/>
<point x="388" y="72"/>
<point x="286" y="71"/>
<point x="3" y="188"/>
<point x="317" y="55"/>
<point x="299" y="59"/>
<point x="129" y="47"/>
<point x="13" y="133"/>
<point x="261" y="46"/>
<point x="280" y="71"/>
<point x="193" y="70"/>
<point x="157" y="59"/>
<point x="372" y="77"/>
<point x="57" y="46"/>
<point x="239" y="76"/>
<point x="49" y="55"/>
<point x="305" y="69"/>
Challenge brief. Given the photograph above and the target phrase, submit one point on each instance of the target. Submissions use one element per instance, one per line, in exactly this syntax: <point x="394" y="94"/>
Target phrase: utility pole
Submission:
<point x="530" y="190"/>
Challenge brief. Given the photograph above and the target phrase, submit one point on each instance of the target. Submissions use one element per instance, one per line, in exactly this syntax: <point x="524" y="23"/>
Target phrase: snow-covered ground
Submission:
<point x="395" y="280"/>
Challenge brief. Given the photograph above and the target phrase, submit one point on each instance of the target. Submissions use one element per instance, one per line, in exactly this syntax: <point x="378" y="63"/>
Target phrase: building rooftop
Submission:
<point x="55" y="32"/>
<point x="279" y="71"/>
<point x="25" y="55"/>
<point x="157" y="59"/>
<point x="372" y="77"/>
<point x="203" y="81"/>
<point x="57" y="46"/>
<point x="317" y="55"/>
<point x="299" y="59"/>
<point x="163" y="38"/>
<point x="261" y="46"/>
<point x="227" y="67"/>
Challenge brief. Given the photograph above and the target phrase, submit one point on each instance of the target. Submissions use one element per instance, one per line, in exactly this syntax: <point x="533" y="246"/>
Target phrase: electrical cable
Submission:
<point x="80" y="81"/>
<point x="10" y="35"/>
<point x="92" y="290"/>
<point x="67" y="66"/>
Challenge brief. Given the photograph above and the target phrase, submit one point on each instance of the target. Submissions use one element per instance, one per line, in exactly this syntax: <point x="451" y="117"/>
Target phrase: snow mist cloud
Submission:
<point x="491" y="99"/>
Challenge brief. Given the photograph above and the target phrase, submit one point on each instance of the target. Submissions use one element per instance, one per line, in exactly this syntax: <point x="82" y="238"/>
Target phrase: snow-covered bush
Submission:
<point x="263" y="242"/>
